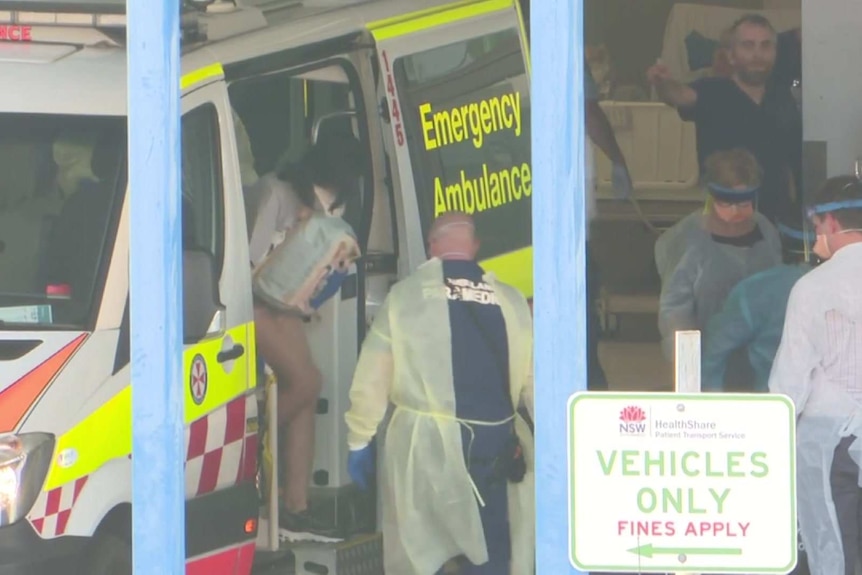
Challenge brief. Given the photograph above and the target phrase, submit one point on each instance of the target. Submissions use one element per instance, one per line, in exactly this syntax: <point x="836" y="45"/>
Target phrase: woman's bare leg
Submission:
<point x="283" y="345"/>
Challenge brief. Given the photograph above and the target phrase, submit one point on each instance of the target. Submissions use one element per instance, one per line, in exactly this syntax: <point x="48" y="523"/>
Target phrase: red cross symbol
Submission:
<point x="199" y="379"/>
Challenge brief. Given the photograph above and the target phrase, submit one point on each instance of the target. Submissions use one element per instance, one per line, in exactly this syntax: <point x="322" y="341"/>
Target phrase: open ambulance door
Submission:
<point x="454" y="89"/>
<point x="285" y="104"/>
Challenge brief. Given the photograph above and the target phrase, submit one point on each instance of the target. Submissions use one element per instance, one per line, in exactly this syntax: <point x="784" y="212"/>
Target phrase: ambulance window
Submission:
<point x="466" y="111"/>
<point x="64" y="179"/>
<point x="203" y="218"/>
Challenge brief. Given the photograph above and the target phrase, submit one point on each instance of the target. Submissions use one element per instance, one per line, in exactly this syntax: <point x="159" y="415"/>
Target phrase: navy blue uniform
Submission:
<point x="480" y="367"/>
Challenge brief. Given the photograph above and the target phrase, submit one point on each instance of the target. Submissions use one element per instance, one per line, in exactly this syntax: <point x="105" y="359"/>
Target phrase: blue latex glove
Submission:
<point x="621" y="181"/>
<point x="330" y="288"/>
<point x="360" y="465"/>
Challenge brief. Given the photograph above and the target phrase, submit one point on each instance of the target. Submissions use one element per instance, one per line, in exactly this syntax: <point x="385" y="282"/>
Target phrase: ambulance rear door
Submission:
<point x="454" y="89"/>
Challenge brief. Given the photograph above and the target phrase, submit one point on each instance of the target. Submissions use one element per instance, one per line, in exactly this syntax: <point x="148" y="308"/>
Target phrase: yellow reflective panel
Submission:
<point x="201" y="75"/>
<point x="106" y="433"/>
<point x="514" y="268"/>
<point x="423" y="19"/>
<point x="207" y="383"/>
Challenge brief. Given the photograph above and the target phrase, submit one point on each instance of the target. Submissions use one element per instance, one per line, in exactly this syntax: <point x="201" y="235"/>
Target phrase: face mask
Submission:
<point x="821" y="246"/>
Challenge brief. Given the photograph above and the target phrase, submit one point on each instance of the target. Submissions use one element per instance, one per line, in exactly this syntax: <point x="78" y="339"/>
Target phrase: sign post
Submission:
<point x="685" y="483"/>
<point x="158" y="505"/>
<point x="559" y="236"/>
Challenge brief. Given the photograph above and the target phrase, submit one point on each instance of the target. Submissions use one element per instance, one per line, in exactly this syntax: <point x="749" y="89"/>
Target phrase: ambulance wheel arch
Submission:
<point x="456" y="83"/>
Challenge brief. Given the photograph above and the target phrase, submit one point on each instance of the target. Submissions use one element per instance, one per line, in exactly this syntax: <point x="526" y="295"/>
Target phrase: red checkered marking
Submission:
<point x="50" y="514"/>
<point x="220" y="452"/>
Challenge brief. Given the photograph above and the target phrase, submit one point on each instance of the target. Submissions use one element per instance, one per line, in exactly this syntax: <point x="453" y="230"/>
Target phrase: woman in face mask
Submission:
<point x="707" y="253"/>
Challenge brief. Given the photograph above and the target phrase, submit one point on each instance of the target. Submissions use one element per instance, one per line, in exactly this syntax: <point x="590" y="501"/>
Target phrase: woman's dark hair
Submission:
<point x="335" y="163"/>
<point x="297" y="175"/>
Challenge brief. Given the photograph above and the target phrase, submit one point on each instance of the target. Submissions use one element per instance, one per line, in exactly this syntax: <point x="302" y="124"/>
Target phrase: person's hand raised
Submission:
<point x="658" y="73"/>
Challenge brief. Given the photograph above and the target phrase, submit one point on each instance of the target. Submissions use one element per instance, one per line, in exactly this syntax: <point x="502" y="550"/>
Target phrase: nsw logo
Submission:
<point x="632" y="421"/>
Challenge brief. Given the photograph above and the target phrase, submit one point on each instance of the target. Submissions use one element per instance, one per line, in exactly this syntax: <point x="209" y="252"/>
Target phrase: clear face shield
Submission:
<point x="803" y="240"/>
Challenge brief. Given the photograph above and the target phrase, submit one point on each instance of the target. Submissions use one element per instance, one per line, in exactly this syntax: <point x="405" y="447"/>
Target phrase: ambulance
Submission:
<point x="436" y="91"/>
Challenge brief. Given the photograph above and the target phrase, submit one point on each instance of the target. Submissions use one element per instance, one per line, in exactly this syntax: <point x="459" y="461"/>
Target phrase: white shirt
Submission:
<point x="277" y="207"/>
<point x="819" y="362"/>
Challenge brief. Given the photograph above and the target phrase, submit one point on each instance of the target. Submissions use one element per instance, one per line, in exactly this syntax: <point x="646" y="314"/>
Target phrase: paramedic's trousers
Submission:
<point x="486" y="448"/>
<point x="847" y="497"/>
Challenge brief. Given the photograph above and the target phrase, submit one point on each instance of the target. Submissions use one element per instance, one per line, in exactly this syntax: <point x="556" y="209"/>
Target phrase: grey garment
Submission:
<point x="847" y="498"/>
<point x="706" y="272"/>
<point x="671" y="245"/>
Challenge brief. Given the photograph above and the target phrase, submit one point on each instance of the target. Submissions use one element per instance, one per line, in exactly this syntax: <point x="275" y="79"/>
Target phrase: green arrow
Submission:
<point x="648" y="550"/>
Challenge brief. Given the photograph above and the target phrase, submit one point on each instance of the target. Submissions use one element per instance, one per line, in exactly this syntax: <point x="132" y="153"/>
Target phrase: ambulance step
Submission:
<point x="359" y="555"/>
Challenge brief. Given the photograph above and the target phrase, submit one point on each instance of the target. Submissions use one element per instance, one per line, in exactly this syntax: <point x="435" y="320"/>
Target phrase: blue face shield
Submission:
<point x="731" y="195"/>
<point x="833" y="207"/>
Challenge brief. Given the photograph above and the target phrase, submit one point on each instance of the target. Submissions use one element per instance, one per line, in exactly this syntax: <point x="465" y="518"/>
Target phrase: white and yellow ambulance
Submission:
<point x="437" y="92"/>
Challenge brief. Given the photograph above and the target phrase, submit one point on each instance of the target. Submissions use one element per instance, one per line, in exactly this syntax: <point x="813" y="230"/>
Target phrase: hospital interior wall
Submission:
<point x="832" y="85"/>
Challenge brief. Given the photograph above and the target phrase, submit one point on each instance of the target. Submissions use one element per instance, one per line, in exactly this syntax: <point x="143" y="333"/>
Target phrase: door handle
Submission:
<point x="235" y="352"/>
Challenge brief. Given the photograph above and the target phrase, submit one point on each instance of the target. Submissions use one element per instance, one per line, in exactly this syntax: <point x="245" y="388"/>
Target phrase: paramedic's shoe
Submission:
<point x="303" y="526"/>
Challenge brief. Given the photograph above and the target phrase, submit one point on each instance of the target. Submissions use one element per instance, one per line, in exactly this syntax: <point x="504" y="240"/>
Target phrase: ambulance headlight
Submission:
<point x="24" y="463"/>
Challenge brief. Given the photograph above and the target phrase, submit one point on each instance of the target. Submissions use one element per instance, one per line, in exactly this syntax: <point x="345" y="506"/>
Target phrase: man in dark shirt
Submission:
<point x="747" y="110"/>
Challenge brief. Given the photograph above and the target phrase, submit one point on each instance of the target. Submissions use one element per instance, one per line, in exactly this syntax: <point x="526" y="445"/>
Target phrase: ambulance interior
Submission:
<point x="59" y="194"/>
<point x="622" y="40"/>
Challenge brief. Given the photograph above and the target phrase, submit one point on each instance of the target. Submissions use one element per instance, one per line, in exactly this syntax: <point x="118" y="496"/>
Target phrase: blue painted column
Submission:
<point x="559" y="260"/>
<point x="158" y="510"/>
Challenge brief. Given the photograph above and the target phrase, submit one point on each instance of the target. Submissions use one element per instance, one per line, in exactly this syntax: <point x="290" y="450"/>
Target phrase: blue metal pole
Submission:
<point x="559" y="260"/>
<point x="158" y="512"/>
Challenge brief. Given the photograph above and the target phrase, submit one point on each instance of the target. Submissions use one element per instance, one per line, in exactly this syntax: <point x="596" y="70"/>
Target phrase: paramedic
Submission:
<point x="705" y="254"/>
<point x="451" y="350"/>
<point x="753" y="318"/>
<point x="327" y="174"/>
<point x="748" y="110"/>
<point x="819" y="366"/>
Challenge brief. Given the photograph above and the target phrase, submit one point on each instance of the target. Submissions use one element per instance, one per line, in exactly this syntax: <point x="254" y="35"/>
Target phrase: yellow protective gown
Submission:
<point x="430" y="509"/>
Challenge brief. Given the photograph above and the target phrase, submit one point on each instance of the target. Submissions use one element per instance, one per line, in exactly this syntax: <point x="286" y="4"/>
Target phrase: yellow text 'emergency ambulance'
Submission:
<point x="438" y="94"/>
